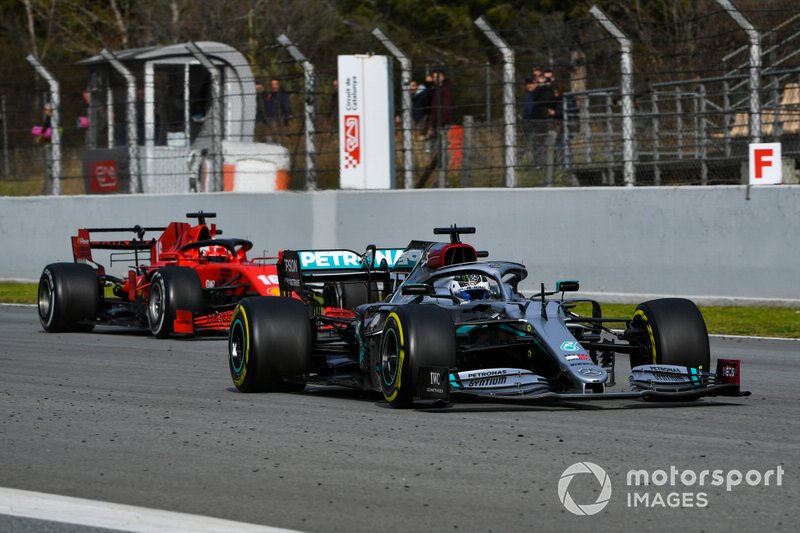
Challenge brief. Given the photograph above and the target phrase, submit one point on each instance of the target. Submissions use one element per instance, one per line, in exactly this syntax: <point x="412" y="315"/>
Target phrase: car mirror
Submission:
<point x="567" y="286"/>
<point x="416" y="289"/>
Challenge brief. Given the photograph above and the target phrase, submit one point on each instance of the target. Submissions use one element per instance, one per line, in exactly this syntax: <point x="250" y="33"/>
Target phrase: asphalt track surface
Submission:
<point x="124" y="418"/>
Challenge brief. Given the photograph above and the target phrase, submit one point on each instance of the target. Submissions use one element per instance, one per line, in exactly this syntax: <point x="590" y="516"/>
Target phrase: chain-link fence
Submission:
<point x="567" y="102"/>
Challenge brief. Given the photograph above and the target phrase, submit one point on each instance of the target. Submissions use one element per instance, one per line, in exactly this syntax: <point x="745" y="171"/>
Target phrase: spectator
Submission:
<point x="544" y="112"/>
<point x="261" y="112"/>
<point x="529" y="114"/>
<point x="276" y="104"/>
<point x="419" y="104"/>
<point x="427" y="100"/>
<point x="441" y="102"/>
<point x="96" y="123"/>
<point x="43" y="134"/>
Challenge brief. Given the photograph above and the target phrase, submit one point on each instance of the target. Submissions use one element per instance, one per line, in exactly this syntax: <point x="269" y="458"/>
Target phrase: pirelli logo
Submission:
<point x="352" y="141"/>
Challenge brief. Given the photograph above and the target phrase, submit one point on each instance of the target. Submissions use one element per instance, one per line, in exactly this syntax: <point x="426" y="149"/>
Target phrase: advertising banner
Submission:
<point x="366" y="122"/>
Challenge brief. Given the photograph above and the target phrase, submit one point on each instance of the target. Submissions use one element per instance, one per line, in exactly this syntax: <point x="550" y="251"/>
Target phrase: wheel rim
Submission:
<point x="46" y="300"/>
<point x="237" y="346"/>
<point x="155" y="305"/>
<point x="390" y="354"/>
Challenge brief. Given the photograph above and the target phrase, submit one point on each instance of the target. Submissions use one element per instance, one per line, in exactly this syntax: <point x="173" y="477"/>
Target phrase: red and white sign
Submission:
<point x="352" y="141"/>
<point x="366" y="122"/>
<point x="765" y="164"/>
<point x="103" y="177"/>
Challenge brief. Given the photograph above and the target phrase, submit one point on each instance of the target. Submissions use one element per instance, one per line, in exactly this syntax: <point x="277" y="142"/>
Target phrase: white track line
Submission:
<point x="92" y="513"/>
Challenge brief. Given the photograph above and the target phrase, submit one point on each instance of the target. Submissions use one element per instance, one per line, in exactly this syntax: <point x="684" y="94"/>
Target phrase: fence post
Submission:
<point x="466" y="152"/>
<point x="132" y="121"/>
<point x="6" y="169"/>
<point x="567" y="140"/>
<point x="679" y="120"/>
<point x="488" y="72"/>
<point x="405" y="69"/>
<point x="610" y="178"/>
<point x="726" y="105"/>
<point x="308" y="71"/>
<point x="509" y="113"/>
<point x="755" y="67"/>
<point x="55" y="123"/>
<point x="656" y="139"/>
<point x="703" y="138"/>
<point x="627" y="93"/>
<point x="216" y="114"/>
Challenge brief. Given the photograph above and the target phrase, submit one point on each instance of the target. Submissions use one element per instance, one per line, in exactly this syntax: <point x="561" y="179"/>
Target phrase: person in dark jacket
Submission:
<point x="420" y="103"/>
<point x="276" y="104"/>
<point x="441" y="102"/>
<point x="544" y="112"/>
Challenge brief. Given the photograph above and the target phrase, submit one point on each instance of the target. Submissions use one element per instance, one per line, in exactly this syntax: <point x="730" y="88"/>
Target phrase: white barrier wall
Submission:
<point x="707" y="243"/>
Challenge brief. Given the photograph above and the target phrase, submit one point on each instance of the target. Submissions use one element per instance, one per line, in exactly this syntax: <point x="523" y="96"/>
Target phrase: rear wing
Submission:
<point x="82" y="245"/>
<point x="298" y="267"/>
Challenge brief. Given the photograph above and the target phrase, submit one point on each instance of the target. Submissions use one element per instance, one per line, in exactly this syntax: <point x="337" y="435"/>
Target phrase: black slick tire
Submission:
<point x="675" y="334"/>
<point x="69" y="293"/>
<point x="269" y="342"/>
<point x="414" y="336"/>
<point x="172" y="289"/>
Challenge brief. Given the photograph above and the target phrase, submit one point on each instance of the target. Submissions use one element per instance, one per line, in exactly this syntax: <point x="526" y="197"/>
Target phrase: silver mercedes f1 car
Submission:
<point x="432" y="322"/>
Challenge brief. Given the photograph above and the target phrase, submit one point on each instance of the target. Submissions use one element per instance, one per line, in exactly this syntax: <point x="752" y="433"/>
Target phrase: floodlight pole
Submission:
<point x="55" y="123"/>
<point x="405" y="69"/>
<point x="133" y="139"/>
<point x="509" y="114"/>
<point x="308" y="70"/>
<point x="755" y="67"/>
<point x="626" y="60"/>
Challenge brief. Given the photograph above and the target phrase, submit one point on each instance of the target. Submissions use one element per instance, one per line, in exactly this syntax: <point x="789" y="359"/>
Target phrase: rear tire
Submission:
<point x="346" y="295"/>
<point x="675" y="334"/>
<point x="414" y="336"/>
<point x="269" y="341"/>
<point x="172" y="289"/>
<point x="68" y="294"/>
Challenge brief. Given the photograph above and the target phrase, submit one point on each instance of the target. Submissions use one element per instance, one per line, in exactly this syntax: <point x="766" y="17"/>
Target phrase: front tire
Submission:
<point x="414" y="336"/>
<point x="269" y="341"/>
<point x="674" y="334"/>
<point x="172" y="289"/>
<point x="68" y="294"/>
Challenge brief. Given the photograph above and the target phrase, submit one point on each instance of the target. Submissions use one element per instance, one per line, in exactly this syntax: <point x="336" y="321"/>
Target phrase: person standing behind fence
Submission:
<point x="529" y="115"/>
<point x="441" y="102"/>
<point x="544" y="112"/>
<point x="276" y="104"/>
<point x="43" y="135"/>
<point x="419" y="104"/>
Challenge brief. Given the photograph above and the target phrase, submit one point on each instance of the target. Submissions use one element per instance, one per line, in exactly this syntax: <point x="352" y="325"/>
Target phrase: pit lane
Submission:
<point x="125" y="418"/>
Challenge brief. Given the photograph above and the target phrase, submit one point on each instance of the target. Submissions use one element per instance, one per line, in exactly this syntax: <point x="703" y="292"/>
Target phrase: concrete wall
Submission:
<point x="707" y="243"/>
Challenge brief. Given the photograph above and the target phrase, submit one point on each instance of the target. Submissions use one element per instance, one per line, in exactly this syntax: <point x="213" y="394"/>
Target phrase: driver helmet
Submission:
<point x="470" y="287"/>
<point x="215" y="253"/>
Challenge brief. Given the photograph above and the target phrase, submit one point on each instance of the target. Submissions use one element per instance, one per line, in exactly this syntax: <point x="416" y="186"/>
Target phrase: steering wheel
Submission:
<point x="228" y="244"/>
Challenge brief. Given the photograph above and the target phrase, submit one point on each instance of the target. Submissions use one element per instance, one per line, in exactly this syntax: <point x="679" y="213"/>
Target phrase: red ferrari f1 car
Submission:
<point x="186" y="281"/>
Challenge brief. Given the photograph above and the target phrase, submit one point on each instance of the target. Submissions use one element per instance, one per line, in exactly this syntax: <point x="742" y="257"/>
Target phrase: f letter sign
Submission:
<point x="765" y="164"/>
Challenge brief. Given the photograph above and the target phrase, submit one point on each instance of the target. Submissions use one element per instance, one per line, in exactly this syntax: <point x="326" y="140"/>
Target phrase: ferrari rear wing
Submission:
<point x="298" y="267"/>
<point x="82" y="245"/>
